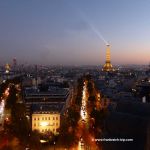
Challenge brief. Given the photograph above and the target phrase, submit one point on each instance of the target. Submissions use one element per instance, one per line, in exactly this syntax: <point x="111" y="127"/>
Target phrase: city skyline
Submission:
<point x="74" y="32"/>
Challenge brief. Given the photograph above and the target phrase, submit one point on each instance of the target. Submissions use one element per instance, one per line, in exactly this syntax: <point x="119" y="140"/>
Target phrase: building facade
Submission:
<point x="46" y="121"/>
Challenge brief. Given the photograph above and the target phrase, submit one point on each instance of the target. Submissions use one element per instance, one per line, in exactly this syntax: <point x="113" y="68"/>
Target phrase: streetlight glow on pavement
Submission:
<point x="2" y="105"/>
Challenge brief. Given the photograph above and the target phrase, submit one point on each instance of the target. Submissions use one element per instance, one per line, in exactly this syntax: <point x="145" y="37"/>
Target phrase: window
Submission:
<point x="49" y="118"/>
<point x="53" y="130"/>
<point x="45" y="118"/>
<point x="53" y="118"/>
<point x="56" y="124"/>
<point x="38" y="119"/>
<point x="42" y="118"/>
<point x="34" y="124"/>
<point x="34" y="118"/>
<point x="56" y="118"/>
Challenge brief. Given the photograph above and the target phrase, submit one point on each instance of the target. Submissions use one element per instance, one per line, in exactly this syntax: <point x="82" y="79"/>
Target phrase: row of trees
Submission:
<point x="69" y="126"/>
<point x="19" y="125"/>
<point x="5" y="84"/>
<point x="91" y="91"/>
<point x="97" y="115"/>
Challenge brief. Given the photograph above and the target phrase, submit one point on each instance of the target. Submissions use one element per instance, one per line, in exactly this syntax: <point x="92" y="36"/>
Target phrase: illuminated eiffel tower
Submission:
<point x="108" y="66"/>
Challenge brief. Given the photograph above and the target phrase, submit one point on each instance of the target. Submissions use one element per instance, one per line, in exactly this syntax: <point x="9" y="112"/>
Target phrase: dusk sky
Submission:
<point x="69" y="31"/>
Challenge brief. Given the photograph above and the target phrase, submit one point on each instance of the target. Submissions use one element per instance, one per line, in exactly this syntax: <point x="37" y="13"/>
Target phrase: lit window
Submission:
<point x="44" y="123"/>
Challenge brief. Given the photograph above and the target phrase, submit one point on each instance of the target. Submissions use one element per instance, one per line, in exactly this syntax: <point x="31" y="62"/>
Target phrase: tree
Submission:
<point x="78" y="100"/>
<point x="99" y="117"/>
<point x="67" y="137"/>
<point x="12" y="98"/>
<point x="90" y="88"/>
<point x="19" y="123"/>
<point x="34" y="140"/>
<point x="73" y="116"/>
<point x="92" y="99"/>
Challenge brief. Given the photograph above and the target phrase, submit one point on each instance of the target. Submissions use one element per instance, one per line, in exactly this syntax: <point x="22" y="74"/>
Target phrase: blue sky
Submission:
<point x="66" y="31"/>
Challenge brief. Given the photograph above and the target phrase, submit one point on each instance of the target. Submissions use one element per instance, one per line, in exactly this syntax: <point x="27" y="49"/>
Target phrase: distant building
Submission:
<point x="1" y="79"/>
<point x="36" y="81"/>
<point x="143" y="90"/>
<point x="27" y="82"/>
<point x="6" y="72"/>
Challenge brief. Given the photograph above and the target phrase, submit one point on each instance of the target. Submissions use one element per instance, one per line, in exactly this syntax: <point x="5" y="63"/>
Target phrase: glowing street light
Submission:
<point x="54" y="145"/>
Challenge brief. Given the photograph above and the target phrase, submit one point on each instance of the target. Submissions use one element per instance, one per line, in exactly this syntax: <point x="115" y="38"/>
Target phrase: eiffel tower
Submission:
<point x="108" y="66"/>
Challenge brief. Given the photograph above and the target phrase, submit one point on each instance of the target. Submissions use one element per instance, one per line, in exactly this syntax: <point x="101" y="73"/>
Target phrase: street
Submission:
<point x="85" y="142"/>
<point x="3" y="113"/>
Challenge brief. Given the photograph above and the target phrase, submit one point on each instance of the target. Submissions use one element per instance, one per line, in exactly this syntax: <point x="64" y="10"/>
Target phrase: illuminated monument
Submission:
<point x="7" y="68"/>
<point x="108" y="66"/>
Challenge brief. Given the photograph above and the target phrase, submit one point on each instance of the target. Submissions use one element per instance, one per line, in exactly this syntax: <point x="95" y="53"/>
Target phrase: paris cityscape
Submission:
<point x="74" y="75"/>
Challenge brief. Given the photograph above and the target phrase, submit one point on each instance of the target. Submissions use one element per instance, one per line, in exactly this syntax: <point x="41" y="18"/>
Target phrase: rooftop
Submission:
<point x="46" y="109"/>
